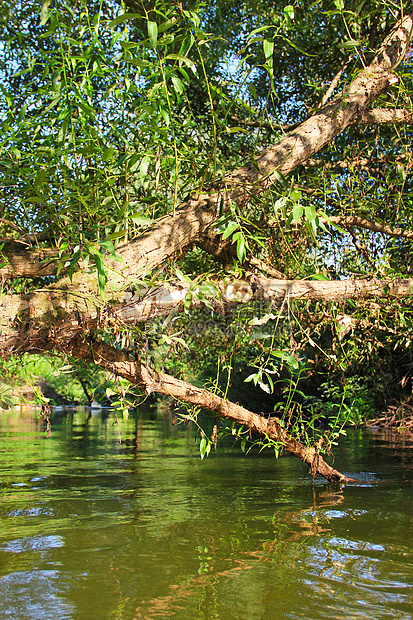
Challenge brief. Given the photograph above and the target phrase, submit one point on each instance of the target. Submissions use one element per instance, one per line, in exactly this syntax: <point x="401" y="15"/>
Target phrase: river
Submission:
<point x="91" y="528"/>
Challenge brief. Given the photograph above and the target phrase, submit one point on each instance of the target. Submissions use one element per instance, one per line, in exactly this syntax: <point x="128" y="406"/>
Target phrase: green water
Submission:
<point x="93" y="529"/>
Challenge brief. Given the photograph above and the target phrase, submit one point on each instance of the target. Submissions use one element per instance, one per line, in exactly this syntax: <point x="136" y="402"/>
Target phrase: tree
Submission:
<point x="135" y="165"/>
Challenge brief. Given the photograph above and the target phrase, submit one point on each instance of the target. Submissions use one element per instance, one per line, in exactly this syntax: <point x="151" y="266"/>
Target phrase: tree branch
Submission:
<point x="385" y="116"/>
<point x="22" y="263"/>
<point x="38" y="321"/>
<point x="151" y="381"/>
<point x="348" y="221"/>
<point x="334" y="82"/>
<point x="375" y="116"/>
<point x="226" y="251"/>
<point x="365" y="164"/>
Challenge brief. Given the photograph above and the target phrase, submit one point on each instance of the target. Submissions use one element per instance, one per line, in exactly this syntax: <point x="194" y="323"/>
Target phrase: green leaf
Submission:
<point x="39" y="178"/>
<point x="253" y="91"/>
<point x="140" y="220"/>
<point x="287" y="358"/>
<point x="253" y="377"/>
<point x="241" y="253"/>
<point x="125" y="17"/>
<point x="296" y="47"/>
<point x="166" y="25"/>
<point x="257" y="30"/>
<point x="268" y="48"/>
<point x="321" y="277"/>
<point x="260" y="336"/>
<point x="231" y="228"/>
<point x="139" y="62"/>
<point x="310" y="213"/>
<point x="297" y="213"/>
<point x="44" y="13"/>
<point x="153" y="33"/>
<point x="144" y="165"/>
<point x="178" y="85"/>
<point x="350" y="43"/>
<point x="203" y="446"/>
<point x="108" y="153"/>
<point x="263" y="320"/>
<point x="73" y="262"/>
<point x="264" y="387"/>
<point x="182" y="59"/>
<point x="108" y="245"/>
<point x="278" y="204"/>
<point x="236" y="130"/>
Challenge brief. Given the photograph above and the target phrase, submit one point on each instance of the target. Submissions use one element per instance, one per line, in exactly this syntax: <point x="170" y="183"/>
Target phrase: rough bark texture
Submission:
<point x="19" y="262"/>
<point x="383" y="116"/>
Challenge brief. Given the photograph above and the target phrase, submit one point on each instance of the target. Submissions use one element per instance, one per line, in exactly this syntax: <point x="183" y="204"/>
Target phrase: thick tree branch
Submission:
<point x="29" y="322"/>
<point x="39" y="263"/>
<point x="22" y="263"/>
<point x="385" y="116"/>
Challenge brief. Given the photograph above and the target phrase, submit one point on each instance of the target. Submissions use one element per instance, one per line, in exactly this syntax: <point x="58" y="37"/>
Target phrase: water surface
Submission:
<point x="93" y="528"/>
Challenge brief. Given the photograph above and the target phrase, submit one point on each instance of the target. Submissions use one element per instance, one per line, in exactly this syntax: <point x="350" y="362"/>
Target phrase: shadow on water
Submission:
<point x="94" y="528"/>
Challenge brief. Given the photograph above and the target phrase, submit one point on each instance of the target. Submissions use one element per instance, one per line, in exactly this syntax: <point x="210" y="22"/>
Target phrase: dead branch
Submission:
<point x="375" y="116"/>
<point x="27" y="322"/>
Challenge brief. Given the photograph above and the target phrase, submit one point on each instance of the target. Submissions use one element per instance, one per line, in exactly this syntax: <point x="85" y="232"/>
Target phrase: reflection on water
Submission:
<point x="90" y="528"/>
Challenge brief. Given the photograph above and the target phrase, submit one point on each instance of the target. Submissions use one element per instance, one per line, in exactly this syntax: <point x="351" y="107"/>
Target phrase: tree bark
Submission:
<point x="361" y="222"/>
<point x="21" y="263"/>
